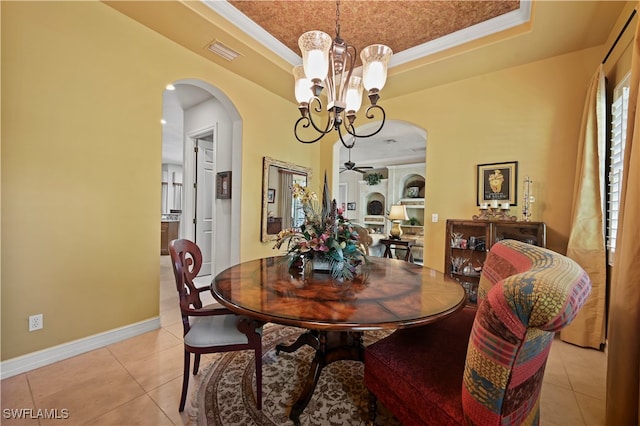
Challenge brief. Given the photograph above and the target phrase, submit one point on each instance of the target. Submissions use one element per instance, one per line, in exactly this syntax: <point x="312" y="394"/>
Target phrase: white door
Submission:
<point x="204" y="200"/>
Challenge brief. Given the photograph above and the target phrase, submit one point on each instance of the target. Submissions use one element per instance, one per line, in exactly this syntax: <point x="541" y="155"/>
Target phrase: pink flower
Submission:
<point x="303" y="247"/>
<point x="317" y="244"/>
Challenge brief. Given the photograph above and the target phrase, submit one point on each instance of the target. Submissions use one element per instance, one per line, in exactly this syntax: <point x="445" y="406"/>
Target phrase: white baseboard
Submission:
<point x="57" y="353"/>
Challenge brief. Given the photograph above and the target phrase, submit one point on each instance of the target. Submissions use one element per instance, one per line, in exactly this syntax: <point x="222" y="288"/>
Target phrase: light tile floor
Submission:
<point x="138" y="381"/>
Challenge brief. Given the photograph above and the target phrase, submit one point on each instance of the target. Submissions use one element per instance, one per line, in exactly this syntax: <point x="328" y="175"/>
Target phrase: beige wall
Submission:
<point x="81" y="164"/>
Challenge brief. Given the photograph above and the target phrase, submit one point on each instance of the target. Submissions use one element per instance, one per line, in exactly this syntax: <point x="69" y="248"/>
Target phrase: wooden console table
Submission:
<point x="402" y="244"/>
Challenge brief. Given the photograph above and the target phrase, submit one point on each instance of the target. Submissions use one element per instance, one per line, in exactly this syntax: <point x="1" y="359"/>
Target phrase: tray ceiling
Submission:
<point x="400" y="25"/>
<point x="435" y="42"/>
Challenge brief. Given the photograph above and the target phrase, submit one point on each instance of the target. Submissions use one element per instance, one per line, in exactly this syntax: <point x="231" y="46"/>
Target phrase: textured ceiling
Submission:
<point x="397" y="24"/>
<point x="535" y="31"/>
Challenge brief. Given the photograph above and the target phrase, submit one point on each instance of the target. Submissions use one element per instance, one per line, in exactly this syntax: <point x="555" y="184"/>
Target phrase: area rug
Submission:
<point x="226" y="396"/>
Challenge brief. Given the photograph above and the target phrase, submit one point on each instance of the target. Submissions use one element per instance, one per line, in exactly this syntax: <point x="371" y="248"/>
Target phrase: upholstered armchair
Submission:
<point x="364" y="237"/>
<point x="484" y="367"/>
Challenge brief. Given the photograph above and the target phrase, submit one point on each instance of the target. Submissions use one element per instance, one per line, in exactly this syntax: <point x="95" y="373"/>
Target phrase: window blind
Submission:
<point x="619" y="112"/>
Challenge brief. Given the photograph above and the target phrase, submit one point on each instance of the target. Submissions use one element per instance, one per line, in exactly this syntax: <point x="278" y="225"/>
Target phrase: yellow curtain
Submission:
<point x="623" y="358"/>
<point x="586" y="240"/>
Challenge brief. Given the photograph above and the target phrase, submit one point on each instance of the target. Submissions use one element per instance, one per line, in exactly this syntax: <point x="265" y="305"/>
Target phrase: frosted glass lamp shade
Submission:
<point x="375" y="59"/>
<point x="302" y="86"/>
<point x="315" y="46"/>
<point x="354" y="94"/>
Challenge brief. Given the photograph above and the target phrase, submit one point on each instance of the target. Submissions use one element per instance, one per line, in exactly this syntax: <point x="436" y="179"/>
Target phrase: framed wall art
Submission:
<point x="351" y="206"/>
<point x="497" y="182"/>
<point x="223" y="185"/>
<point x="271" y="195"/>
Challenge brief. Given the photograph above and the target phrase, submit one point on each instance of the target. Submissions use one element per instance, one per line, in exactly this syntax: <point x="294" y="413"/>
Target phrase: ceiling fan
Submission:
<point x="350" y="165"/>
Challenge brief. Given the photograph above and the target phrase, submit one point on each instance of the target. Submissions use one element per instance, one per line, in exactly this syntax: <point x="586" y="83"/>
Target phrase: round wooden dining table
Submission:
<point x="387" y="294"/>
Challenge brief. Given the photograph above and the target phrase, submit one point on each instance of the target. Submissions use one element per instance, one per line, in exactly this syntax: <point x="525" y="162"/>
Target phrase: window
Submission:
<point x="177" y="196"/>
<point x="619" y="110"/>
<point x="165" y="196"/>
<point x="297" y="211"/>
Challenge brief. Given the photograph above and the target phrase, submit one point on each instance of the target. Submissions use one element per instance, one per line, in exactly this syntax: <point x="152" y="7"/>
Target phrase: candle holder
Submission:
<point x="484" y="214"/>
<point x="494" y="213"/>
<point x="528" y="200"/>
<point x="503" y="214"/>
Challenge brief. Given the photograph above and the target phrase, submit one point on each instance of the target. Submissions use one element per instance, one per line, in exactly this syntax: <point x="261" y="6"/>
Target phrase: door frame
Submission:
<point x="189" y="180"/>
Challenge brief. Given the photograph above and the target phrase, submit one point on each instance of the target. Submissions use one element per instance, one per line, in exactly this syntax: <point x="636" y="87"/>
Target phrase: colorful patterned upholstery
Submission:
<point x="526" y="294"/>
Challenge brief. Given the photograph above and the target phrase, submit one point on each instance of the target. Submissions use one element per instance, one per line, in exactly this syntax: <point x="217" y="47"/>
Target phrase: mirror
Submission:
<point x="279" y="209"/>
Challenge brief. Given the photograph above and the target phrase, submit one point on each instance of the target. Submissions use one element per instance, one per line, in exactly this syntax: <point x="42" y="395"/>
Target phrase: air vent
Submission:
<point x="222" y="50"/>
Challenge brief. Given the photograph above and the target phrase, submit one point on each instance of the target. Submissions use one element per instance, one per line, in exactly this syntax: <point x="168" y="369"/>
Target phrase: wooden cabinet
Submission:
<point x="168" y="232"/>
<point x="468" y="241"/>
<point x="274" y="225"/>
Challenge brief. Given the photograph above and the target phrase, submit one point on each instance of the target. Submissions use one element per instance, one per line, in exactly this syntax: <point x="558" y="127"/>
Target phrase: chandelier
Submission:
<point x="329" y="63"/>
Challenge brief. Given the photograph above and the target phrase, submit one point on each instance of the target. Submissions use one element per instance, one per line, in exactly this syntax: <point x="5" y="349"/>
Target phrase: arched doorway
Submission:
<point x="398" y="155"/>
<point x="196" y="114"/>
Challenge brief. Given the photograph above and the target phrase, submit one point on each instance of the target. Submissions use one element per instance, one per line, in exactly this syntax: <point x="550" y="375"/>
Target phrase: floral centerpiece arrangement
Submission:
<point x="325" y="236"/>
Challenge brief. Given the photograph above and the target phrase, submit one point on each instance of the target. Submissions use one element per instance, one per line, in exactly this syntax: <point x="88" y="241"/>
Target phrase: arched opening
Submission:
<point x="202" y="137"/>
<point x="384" y="166"/>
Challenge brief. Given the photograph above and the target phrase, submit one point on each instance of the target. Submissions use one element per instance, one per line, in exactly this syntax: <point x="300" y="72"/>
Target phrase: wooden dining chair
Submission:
<point x="484" y="367"/>
<point x="209" y="329"/>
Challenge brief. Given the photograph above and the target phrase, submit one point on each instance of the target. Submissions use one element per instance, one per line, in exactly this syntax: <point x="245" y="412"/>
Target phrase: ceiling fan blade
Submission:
<point x="363" y="169"/>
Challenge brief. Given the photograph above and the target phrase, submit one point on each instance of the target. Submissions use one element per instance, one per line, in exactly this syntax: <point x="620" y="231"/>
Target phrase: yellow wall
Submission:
<point x="81" y="164"/>
<point x="530" y="114"/>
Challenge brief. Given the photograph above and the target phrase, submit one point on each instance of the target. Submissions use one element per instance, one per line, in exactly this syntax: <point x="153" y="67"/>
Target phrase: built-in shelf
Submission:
<point x="394" y="189"/>
<point x="377" y="219"/>
<point x="413" y="203"/>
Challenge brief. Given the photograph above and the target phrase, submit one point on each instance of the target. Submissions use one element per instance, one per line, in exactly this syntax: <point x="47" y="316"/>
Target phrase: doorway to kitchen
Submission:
<point x="202" y="136"/>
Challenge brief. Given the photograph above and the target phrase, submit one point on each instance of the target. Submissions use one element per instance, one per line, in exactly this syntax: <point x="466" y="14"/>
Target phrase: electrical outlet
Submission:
<point x="434" y="217"/>
<point x="35" y="322"/>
